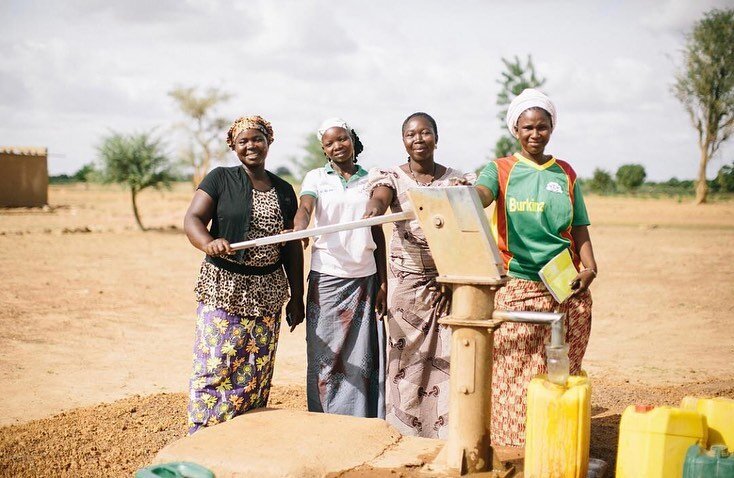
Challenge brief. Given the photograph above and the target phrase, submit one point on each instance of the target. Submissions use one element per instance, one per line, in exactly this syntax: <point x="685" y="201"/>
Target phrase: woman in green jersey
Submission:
<point x="540" y="211"/>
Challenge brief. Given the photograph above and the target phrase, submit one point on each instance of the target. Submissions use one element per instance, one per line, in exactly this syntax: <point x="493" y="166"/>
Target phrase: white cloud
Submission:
<point x="677" y="16"/>
<point x="85" y="67"/>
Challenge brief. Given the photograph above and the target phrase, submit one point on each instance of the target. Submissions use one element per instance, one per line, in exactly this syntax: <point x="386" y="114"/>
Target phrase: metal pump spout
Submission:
<point x="554" y="319"/>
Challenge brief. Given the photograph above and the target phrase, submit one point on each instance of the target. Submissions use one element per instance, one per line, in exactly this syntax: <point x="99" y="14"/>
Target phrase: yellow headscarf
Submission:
<point x="249" y="122"/>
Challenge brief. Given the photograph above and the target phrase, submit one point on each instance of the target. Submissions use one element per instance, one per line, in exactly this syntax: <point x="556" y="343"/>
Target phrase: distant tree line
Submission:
<point x="630" y="179"/>
<point x="85" y="174"/>
<point x="91" y="173"/>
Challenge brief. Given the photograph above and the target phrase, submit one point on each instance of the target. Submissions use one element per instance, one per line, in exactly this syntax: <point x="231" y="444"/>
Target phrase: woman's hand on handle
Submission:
<point x="459" y="181"/>
<point x="218" y="247"/>
<point x="379" y="201"/>
<point x="370" y="212"/>
<point x="304" y="241"/>
<point x="285" y="231"/>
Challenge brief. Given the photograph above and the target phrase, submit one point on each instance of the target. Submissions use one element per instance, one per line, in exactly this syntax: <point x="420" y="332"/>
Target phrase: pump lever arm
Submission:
<point x="318" y="231"/>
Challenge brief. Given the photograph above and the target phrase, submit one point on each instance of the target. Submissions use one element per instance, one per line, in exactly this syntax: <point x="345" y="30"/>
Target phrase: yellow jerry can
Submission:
<point x="558" y="428"/>
<point x="719" y="413"/>
<point x="653" y="440"/>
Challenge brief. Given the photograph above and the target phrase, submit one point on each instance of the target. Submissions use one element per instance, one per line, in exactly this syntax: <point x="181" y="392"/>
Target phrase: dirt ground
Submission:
<point x="97" y="323"/>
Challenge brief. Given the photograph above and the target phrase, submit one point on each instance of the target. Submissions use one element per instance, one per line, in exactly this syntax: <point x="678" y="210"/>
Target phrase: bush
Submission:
<point x="725" y="178"/>
<point x="631" y="176"/>
<point x="601" y="183"/>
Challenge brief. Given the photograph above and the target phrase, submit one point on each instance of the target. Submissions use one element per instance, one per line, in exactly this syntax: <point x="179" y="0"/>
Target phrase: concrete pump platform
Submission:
<point x="289" y="443"/>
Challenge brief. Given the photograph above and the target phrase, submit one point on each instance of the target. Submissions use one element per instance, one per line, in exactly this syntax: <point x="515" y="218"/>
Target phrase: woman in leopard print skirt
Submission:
<point x="241" y="293"/>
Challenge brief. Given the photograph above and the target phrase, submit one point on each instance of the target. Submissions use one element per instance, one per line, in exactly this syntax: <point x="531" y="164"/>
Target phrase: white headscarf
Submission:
<point x="529" y="98"/>
<point x="332" y="123"/>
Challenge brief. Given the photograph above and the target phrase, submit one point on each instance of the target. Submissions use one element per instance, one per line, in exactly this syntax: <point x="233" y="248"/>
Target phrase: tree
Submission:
<point x="85" y="174"/>
<point x="631" y="176"/>
<point x="673" y="182"/>
<point x="602" y="182"/>
<point x="725" y="178"/>
<point x="206" y="130"/>
<point x="137" y="161"/>
<point x="514" y="80"/>
<point x="313" y="158"/>
<point x="705" y="86"/>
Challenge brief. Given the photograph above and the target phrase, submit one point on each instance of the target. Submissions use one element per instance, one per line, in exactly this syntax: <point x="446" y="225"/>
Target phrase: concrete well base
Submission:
<point x="289" y="443"/>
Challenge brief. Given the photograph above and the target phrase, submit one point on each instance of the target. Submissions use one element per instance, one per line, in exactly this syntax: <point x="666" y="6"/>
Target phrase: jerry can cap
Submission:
<point x="719" y="451"/>
<point x="644" y="408"/>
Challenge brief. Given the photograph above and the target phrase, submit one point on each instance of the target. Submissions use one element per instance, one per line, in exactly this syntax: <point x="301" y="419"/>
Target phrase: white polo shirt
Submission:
<point x="347" y="254"/>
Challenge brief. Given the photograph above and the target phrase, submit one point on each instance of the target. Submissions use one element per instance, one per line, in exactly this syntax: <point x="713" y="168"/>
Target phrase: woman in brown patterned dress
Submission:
<point x="417" y="385"/>
<point x="241" y="293"/>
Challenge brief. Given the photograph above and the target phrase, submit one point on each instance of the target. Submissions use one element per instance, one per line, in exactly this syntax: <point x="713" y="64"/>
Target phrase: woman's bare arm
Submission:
<point x="485" y="195"/>
<point x="378" y="235"/>
<point x="585" y="251"/>
<point x="380" y="200"/>
<point x="303" y="215"/>
<point x="197" y="218"/>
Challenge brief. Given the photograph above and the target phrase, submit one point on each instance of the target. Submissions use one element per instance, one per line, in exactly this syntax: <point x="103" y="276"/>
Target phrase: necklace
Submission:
<point x="433" y="175"/>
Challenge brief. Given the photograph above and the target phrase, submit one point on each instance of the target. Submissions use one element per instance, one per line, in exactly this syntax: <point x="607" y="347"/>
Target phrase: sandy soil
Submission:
<point x="95" y="311"/>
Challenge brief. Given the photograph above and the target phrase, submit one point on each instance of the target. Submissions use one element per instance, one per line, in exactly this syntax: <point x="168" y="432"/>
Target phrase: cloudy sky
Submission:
<point x="72" y="71"/>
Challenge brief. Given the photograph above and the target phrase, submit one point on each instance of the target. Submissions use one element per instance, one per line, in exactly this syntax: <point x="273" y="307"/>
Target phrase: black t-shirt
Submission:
<point x="231" y="190"/>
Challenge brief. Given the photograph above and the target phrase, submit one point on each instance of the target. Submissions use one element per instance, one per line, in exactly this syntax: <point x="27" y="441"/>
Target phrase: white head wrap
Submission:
<point x="529" y="98"/>
<point x="332" y="123"/>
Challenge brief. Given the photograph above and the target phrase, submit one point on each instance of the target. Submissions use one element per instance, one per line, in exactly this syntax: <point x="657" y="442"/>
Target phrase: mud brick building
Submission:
<point x="23" y="176"/>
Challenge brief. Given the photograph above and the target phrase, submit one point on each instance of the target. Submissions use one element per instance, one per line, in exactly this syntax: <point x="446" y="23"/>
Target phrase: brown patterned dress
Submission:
<point x="418" y="350"/>
<point x="519" y="352"/>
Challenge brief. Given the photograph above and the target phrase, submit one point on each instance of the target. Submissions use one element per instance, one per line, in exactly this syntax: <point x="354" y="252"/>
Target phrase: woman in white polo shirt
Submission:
<point x="347" y="290"/>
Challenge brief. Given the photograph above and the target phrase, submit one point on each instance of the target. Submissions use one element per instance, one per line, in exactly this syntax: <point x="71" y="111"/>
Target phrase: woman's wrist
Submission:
<point x="299" y="224"/>
<point x="592" y="270"/>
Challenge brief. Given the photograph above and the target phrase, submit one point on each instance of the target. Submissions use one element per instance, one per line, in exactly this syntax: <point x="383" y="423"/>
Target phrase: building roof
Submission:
<point x="24" y="150"/>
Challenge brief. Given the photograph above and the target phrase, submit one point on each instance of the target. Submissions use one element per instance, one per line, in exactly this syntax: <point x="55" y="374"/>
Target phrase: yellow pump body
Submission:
<point x="653" y="441"/>
<point x="558" y="428"/>
<point x="719" y="413"/>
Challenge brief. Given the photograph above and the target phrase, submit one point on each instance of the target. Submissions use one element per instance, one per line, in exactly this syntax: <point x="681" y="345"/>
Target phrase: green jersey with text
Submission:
<point x="536" y="206"/>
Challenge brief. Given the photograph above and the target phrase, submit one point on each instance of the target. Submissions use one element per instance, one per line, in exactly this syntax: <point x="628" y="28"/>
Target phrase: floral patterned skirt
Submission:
<point x="233" y="365"/>
<point x="519" y="352"/>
